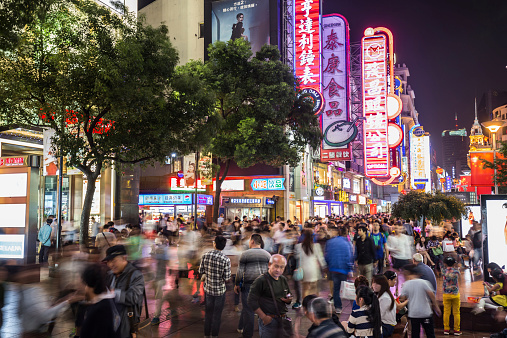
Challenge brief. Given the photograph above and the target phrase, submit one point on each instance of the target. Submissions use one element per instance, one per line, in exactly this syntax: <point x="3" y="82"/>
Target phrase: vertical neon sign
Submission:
<point x="337" y="130"/>
<point x="375" y="92"/>
<point x="307" y="43"/>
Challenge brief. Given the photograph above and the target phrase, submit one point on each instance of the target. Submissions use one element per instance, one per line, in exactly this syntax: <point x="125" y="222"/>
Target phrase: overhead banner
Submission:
<point x="374" y="75"/>
<point x="334" y="120"/>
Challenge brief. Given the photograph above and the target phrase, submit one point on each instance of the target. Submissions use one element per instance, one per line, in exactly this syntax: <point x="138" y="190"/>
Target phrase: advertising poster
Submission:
<point x="337" y="130"/>
<point x="473" y="214"/>
<point x="95" y="209"/>
<point x="496" y="231"/>
<point x="189" y="170"/>
<point x="241" y="19"/>
<point x="50" y="165"/>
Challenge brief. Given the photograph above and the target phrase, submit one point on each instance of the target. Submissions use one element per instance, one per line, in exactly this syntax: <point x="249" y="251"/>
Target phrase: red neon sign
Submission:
<point x="307" y="43"/>
<point x="12" y="161"/>
<point x="375" y="90"/>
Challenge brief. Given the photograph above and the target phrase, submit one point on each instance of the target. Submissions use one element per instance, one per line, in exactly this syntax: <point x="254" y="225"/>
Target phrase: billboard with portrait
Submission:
<point x="241" y="19"/>
<point x="494" y="228"/>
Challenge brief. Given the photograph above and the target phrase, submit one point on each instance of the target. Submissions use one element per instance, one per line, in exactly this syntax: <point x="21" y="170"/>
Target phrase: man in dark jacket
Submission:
<point x="321" y="316"/>
<point x="365" y="252"/>
<point x="128" y="285"/>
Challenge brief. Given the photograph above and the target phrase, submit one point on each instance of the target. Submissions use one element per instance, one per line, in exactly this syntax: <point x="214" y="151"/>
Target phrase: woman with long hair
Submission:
<point x="421" y="248"/>
<point x="310" y="258"/>
<point x="387" y="303"/>
<point x="365" y="321"/>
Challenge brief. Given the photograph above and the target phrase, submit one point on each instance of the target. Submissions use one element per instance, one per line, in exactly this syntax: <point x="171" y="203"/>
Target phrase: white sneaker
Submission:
<point x="477" y="310"/>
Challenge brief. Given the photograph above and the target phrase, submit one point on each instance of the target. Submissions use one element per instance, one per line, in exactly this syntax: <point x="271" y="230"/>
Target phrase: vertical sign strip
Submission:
<point x="307" y="43"/>
<point x="337" y="130"/>
<point x="374" y="75"/>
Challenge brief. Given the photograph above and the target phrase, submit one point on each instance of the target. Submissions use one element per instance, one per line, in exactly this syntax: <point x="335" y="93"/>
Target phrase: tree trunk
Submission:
<point x="218" y="184"/>
<point x="87" y="205"/>
<point x="423" y="226"/>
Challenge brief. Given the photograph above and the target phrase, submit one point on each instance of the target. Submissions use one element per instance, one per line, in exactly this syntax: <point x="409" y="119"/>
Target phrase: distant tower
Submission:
<point x="477" y="138"/>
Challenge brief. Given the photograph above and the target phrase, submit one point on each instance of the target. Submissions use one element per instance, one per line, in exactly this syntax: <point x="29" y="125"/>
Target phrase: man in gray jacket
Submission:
<point x="128" y="285"/>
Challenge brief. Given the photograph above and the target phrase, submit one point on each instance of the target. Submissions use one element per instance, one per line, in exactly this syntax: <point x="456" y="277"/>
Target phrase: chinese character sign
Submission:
<point x="374" y="74"/>
<point x="420" y="166"/>
<point x="268" y="184"/>
<point x="307" y="43"/>
<point x="337" y="130"/>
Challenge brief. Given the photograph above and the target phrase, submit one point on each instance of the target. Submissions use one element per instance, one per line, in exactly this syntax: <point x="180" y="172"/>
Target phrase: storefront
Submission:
<point x="252" y="207"/>
<point x="323" y="208"/>
<point x="154" y="206"/>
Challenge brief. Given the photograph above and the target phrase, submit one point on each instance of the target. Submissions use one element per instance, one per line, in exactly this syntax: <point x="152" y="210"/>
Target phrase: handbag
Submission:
<point x="298" y="273"/>
<point x="347" y="290"/>
<point x="136" y="327"/>
<point x="437" y="251"/>
<point x="285" y="325"/>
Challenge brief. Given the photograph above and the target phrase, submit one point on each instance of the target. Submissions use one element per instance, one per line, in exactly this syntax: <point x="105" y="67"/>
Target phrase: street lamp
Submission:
<point x="494" y="126"/>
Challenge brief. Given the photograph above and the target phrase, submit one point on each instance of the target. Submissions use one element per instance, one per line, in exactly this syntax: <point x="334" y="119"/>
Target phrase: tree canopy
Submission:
<point x="107" y="84"/>
<point x="500" y="163"/>
<point x="416" y="205"/>
<point x="260" y="116"/>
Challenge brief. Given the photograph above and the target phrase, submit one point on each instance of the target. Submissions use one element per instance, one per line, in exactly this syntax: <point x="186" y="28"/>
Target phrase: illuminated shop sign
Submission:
<point x="346" y="183"/>
<point x="13" y="161"/>
<point x="204" y="199"/>
<point x="270" y="201"/>
<point x="307" y="44"/>
<point x="165" y="199"/>
<point x="245" y="200"/>
<point x="338" y="131"/>
<point x="12" y="246"/>
<point x="420" y="161"/>
<point x="180" y="184"/>
<point x="13" y="185"/>
<point x="352" y="198"/>
<point x="362" y="200"/>
<point x="230" y="185"/>
<point x="268" y="184"/>
<point x="375" y="91"/>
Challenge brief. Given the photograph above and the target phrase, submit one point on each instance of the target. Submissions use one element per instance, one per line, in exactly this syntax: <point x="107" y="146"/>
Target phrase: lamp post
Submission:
<point x="494" y="126"/>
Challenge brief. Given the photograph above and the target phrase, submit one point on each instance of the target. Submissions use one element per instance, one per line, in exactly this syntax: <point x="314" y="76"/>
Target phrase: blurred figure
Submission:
<point x="105" y="240"/>
<point x="425" y="271"/>
<point x="311" y="259"/>
<point x="252" y="263"/>
<point x="365" y="252"/>
<point x="44" y="237"/>
<point x="102" y="319"/>
<point x="160" y="252"/>
<point x="134" y="245"/>
<point x="421" y="299"/>
<point x="319" y="312"/>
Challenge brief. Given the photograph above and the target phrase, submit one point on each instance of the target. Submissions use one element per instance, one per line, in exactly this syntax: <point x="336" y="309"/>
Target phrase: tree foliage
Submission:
<point x="259" y="115"/>
<point x="107" y="84"/>
<point x="500" y="163"/>
<point x="416" y="205"/>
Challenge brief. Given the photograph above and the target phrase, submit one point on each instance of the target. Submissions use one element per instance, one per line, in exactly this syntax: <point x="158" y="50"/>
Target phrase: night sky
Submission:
<point x="454" y="50"/>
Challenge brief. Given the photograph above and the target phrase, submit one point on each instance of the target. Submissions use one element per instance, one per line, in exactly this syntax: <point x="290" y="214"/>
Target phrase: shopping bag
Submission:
<point x="298" y="274"/>
<point x="347" y="291"/>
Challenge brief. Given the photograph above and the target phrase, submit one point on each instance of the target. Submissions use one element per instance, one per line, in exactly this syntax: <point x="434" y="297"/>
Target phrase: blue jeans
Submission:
<point x="270" y="330"/>
<point x="387" y="330"/>
<point x="338" y="278"/>
<point x="247" y="320"/>
<point x="213" y="314"/>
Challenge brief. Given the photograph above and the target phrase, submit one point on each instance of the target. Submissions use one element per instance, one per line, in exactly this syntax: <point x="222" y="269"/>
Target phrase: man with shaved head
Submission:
<point x="260" y="298"/>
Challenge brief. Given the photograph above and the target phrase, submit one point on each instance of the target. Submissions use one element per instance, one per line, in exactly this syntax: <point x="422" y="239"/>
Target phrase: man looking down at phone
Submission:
<point x="261" y="301"/>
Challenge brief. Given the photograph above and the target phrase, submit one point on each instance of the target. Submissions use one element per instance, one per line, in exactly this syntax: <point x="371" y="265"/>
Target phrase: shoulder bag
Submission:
<point x="298" y="273"/>
<point x="136" y="325"/>
<point x="285" y="325"/>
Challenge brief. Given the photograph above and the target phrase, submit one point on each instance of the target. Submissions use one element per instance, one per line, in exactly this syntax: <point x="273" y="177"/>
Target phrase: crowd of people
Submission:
<point x="282" y="264"/>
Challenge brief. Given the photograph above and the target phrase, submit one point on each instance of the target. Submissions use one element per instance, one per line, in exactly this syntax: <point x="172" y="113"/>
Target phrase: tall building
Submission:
<point x="455" y="151"/>
<point x="477" y="138"/>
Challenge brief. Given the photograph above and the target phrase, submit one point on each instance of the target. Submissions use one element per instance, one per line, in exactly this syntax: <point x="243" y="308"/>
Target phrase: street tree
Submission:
<point x="106" y="84"/>
<point x="500" y="163"/>
<point x="259" y="114"/>
<point x="438" y="207"/>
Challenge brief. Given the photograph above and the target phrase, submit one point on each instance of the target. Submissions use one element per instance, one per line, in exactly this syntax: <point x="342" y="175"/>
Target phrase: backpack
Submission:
<point x="477" y="240"/>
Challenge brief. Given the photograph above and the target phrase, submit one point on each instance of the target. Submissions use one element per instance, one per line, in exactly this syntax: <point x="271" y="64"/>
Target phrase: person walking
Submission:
<point x="451" y="297"/>
<point x="421" y="299"/>
<point x="216" y="269"/>
<point x="381" y="251"/>
<point x="105" y="240"/>
<point x="339" y="259"/>
<point x="252" y="263"/>
<point x="44" y="237"/>
<point x="310" y="258"/>
<point x="425" y="271"/>
<point x="269" y="297"/>
<point x="365" y="252"/>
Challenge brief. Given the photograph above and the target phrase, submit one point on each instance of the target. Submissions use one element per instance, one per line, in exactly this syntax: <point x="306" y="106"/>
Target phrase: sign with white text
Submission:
<point x="337" y="130"/>
<point x="12" y="246"/>
<point x="375" y="91"/>
<point x="268" y="184"/>
<point x="420" y="161"/>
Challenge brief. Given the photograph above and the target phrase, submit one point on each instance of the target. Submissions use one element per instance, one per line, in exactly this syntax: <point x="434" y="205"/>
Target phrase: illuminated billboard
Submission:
<point x="375" y="91"/>
<point x="494" y="228"/>
<point x="241" y="19"/>
<point x="337" y="130"/>
<point x="307" y="46"/>
<point x="420" y="161"/>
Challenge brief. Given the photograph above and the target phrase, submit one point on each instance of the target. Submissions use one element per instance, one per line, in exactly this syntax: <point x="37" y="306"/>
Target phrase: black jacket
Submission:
<point x="99" y="321"/>
<point x="365" y="251"/>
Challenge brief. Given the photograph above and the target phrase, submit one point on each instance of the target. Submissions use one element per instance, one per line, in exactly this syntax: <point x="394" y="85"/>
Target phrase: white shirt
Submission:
<point x="312" y="263"/>
<point x="387" y="315"/>
<point x="400" y="246"/>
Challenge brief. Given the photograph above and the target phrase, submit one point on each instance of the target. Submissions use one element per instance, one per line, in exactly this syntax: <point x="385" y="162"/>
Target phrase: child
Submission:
<point x="493" y="302"/>
<point x="365" y="321"/>
<point x="451" y="297"/>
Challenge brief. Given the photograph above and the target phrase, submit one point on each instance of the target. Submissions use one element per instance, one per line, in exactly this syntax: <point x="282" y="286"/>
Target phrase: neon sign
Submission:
<point x="420" y="166"/>
<point x="375" y="91"/>
<point x="180" y="185"/>
<point x="268" y="184"/>
<point x="337" y="130"/>
<point x="307" y="45"/>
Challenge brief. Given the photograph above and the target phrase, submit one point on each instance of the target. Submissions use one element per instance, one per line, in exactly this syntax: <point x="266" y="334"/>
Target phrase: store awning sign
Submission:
<point x="12" y="246"/>
<point x="268" y="184"/>
<point x="245" y="200"/>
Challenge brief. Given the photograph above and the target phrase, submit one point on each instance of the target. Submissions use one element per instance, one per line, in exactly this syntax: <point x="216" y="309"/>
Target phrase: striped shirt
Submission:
<point x="326" y="329"/>
<point x="217" y="268"/>
<point x="252" y="263"/>
<point x="358" y="323"/>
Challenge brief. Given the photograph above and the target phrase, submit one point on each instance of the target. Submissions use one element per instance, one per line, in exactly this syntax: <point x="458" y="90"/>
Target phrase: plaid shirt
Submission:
<point x="217" y="268"/>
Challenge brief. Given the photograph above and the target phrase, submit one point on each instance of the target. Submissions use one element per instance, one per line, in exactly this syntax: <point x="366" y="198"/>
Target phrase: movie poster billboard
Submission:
<point x="241" y="19"/>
